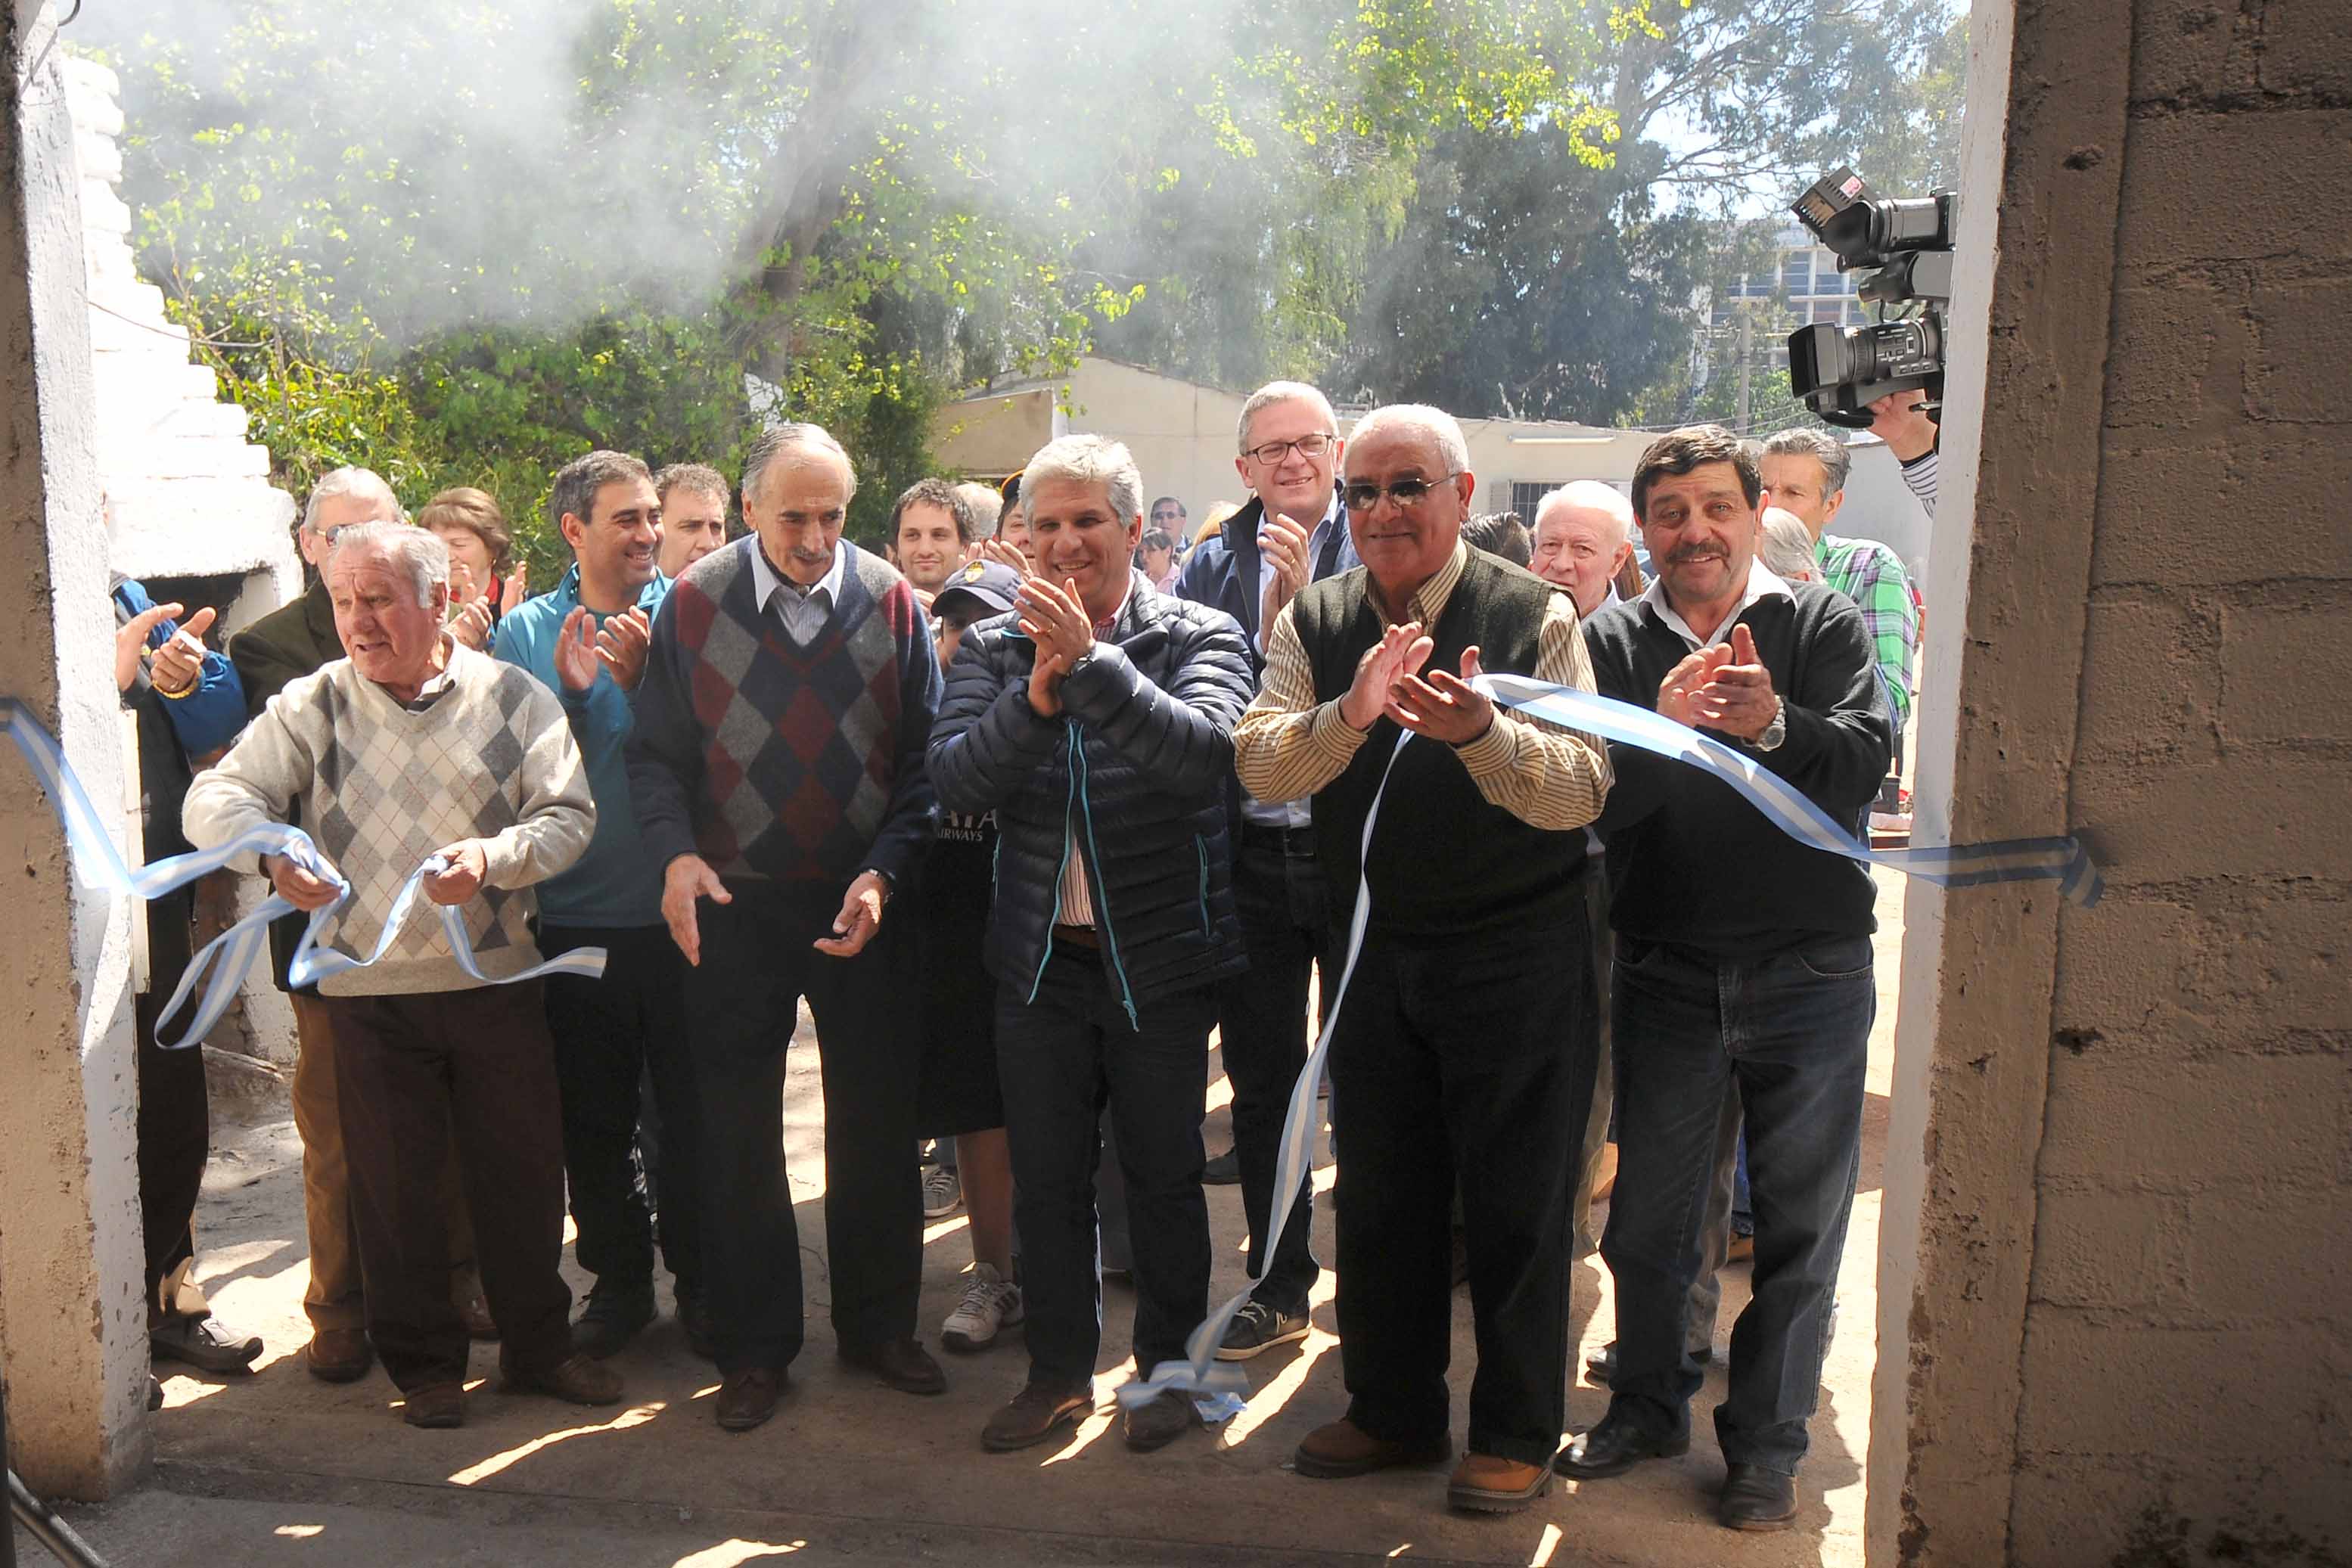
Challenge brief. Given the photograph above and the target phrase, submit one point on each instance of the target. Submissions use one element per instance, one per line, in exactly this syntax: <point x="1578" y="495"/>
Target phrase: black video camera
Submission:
<point x="1839" y="370"/>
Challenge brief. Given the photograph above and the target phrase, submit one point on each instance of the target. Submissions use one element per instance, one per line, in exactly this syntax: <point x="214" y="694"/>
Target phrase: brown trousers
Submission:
<point x="337" y="1297"/>
<point x="418" y="1072"/>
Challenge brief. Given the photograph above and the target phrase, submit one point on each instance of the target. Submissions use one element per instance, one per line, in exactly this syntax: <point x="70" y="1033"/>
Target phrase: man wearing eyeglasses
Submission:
<point x="1292" y="532"/>
<point x="1448" y="1040"/>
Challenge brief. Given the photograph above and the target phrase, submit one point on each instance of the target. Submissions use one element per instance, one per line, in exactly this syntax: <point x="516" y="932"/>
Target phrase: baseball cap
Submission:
<point x="988" y="585"/>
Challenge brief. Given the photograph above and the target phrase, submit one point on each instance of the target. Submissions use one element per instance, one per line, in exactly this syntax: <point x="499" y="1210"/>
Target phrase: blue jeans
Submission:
<point x="1063" y="1057"/>
<point x="1791" y="1031"/>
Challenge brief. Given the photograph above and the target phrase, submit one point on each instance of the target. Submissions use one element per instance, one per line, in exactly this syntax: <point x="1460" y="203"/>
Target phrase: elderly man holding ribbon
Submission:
<point x="413" y="748"/>
<point x="1457" y="1060"/>
<point x="1743" y="966"/>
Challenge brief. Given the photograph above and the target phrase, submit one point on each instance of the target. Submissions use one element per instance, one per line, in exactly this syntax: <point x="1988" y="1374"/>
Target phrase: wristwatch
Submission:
<point x="1777" y="731"/>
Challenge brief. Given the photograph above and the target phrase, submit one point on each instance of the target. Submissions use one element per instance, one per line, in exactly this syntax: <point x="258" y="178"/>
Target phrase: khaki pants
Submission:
<point x="337" y="1298"/>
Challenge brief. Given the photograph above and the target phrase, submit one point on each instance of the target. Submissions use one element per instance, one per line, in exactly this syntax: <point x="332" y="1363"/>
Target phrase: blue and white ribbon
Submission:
<point x="1219" y="1388"/>
<point x="228" y="956"/>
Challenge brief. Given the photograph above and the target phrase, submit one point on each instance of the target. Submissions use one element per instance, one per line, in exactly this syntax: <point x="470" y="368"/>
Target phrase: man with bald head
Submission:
<point x="1448" y="1043"/>
<point x="1584" y="537"/>
<point x="777" y="772"/>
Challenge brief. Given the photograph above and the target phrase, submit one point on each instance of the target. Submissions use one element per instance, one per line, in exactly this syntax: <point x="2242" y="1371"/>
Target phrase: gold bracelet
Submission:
<point x="183" y="693"/>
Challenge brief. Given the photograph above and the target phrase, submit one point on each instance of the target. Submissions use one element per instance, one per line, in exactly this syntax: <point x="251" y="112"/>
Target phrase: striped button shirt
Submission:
<point x="1873" y="576"/>
<point x="1289" y="746"/>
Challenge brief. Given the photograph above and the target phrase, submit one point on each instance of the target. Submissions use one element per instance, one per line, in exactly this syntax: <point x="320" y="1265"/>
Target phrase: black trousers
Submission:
<point x="612" y="1037"/>
<point x="174" y="1136"/>
<point x="412" y="1071"/>
<point x="1064" y="1056"/>
<point x="741" y="1004"/>
<point x="1453" y="1065"/>
<point x="1261" y="1023"/>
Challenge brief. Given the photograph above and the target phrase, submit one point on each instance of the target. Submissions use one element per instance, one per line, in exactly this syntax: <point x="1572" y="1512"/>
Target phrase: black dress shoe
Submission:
<point x="1223" y="1170"/>
<point x="902" y="1363"/>
<point x="1615" y="1446"/>
<point x="614" y="1316"/>
<point x="1756" y="1498"/>
<point x="1159" y="1420"/>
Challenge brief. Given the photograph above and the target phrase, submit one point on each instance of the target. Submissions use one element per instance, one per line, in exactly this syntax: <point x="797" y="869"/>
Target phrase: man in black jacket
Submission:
<point x="1743" y="963"/>
<point x="1096" y="722"/>
<point x="1456" y="1061"/>
<point x="1290" y="534"/>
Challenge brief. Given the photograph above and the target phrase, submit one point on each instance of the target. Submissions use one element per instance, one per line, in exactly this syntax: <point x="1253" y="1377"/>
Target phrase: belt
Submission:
<point x="1289" y="840"/>
<point x="1079" y="937"/>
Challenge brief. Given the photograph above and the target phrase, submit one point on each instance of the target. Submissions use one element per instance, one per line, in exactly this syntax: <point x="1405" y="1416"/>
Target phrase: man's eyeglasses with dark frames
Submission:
<point x="1406" y="493"/>
<point x="1273" y="452"/>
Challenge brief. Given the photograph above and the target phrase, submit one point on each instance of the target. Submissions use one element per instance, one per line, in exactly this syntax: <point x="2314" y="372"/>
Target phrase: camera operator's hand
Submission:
<point x="1900" y="420"/>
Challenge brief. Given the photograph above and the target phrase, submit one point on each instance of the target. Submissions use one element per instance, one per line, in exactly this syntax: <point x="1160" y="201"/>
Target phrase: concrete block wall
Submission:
<point x="2187" y="1357"/>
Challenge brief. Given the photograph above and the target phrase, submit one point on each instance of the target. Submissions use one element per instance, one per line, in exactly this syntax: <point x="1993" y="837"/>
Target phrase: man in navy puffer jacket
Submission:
<point x="1096" y="721"/>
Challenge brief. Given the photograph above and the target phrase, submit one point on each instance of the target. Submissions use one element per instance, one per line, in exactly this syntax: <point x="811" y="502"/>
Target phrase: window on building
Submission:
<point x="1524" y="494"/>
<point x="1797" y="272"/>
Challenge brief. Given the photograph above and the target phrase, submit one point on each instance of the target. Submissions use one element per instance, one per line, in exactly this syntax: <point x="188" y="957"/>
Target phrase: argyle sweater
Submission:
<point x="382" y="787"/>
<point x="781" y="762"/>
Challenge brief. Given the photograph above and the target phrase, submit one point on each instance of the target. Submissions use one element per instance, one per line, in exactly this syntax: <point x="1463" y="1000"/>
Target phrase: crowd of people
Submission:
<point x="1025" y="808"/>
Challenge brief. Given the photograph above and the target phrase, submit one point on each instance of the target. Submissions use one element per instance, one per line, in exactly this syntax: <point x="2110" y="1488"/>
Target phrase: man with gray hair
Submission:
<point x="1787" y="547"/>
<point x="417" y="747"/>
<point x="1449" y="1043"/>
<point x="1583" y="538"/>
<point x="1292" y="532"/>
<point x="289" y="642"/>
<point x="1096" y="721"/>
<point x="1804" y="472"/>
<point x="777" y="772"/>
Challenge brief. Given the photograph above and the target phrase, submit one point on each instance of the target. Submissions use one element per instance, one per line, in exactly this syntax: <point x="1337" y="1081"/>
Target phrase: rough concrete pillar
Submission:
<point x="72" y="1319"/>
<point x="2113" y="1324"/>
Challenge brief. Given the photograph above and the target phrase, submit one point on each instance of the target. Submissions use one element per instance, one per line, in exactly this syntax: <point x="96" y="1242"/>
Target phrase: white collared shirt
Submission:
<point x="1762" y="583"/>
<point x="803" y="610"/>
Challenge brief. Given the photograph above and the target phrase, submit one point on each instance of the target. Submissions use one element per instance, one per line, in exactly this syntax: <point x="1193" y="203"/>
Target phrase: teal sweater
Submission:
<point x="617" y="883"/>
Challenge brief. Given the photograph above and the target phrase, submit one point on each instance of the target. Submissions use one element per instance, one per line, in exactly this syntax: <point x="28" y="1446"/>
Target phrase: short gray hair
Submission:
<point x="778" y="439"/>
<point x="1788" y="544"/>
<point x="1273" y="392"/>
<point x="1435" y="422"/>
<point x="987" y="504"/>
<point x="1088" y="460"/>
<point x="349" y="480"/>
<point x="418" y="551"/>
<point x="1802" y="441"/>
<point x="1592" y="496"/>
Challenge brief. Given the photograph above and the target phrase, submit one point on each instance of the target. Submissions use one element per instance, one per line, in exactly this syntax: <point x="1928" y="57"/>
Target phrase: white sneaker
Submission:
<point x="989" y="1306"/>
<point x="942" y="1192"/>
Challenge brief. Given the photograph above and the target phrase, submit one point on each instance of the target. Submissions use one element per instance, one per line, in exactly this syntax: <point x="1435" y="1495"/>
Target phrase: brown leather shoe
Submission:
<point x="1339" y="1450"/>
<point x="1483" y="1483"/>
<point x="748" y="1397"/>
<point x="902" y="1363"/>
<point x="339" y="1355"/>
<point x="1035" y="1414"/>
<point x="576" y="1380"/>
<point x="434" y="1405"/>
<point x="1159" y="1420"/>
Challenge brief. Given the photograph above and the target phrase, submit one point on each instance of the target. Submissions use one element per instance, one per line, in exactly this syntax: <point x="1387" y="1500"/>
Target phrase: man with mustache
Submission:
<point x="777" y="772"/>
<point x="1743" y="966"/>
<point x="1456" y="1062"/>
<point x="1096" y="721"/>
<point x="586" y="642"/>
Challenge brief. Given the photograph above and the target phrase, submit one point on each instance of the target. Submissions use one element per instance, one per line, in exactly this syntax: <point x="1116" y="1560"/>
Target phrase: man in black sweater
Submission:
<point x="1459" y="1063"/>
<point x="1743" y="962"/>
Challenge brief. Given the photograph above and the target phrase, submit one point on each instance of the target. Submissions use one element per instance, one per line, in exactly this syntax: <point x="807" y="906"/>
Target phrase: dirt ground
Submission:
<point x="275" y="1467"/>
